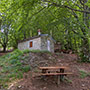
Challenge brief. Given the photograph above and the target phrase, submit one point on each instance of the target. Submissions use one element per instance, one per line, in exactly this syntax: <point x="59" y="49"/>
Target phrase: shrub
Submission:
<point x="26" y="68"/>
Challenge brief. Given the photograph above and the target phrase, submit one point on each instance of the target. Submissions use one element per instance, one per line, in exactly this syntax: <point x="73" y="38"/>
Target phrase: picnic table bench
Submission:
<point x="54" y="71"/>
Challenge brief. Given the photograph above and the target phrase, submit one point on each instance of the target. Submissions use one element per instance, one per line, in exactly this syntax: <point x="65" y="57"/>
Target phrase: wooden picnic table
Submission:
<point x="60" y="69"/>
<point x="54" y="71"/>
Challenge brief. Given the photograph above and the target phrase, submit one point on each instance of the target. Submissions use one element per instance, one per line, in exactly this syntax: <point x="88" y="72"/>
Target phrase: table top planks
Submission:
<point x="49" y="74"/>
<point x="62" y="67"/>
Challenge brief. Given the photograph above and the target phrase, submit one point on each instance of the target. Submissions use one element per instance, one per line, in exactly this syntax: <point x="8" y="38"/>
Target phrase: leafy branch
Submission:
<point x="66" y="6"/>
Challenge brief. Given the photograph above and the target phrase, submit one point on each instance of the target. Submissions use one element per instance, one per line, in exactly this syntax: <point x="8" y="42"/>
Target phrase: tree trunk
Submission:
<point x="4" y="48"/>
<point x="24" y="35"/>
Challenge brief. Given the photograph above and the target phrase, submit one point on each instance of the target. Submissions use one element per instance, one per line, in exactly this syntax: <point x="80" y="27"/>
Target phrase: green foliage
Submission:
<point x="26" y="68"/>
<point x="63" y="19"/>
<point x="26" y="51"/>
<point x="84" y="74"/>
<point x="84" y="58"/>
<point x="68" y="80"/>
<point x="12" y="67"/>
<point x="35" y="51"/>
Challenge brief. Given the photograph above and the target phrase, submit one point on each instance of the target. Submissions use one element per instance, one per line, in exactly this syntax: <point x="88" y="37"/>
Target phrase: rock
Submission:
<point x="50" y="57"/>
<point x="19" y="87"/>
<point x="44" y="88"/>
<point x="83" y="85"/>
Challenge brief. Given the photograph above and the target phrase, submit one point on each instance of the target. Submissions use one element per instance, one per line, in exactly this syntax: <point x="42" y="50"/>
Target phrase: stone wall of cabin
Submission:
<point x="38" y="44"/>
<point x="23" y="45"/>
<point x="26" y="44"/>
<point x="44" y="43"/>
<point x="51" y="44"/>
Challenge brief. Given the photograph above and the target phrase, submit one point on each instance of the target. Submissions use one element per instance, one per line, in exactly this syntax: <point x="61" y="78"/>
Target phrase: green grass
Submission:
<point x="11" y="67"/>
<point x="84" y="74"/>
<point x="68" y="80"/>
<point x="36" y="51"/>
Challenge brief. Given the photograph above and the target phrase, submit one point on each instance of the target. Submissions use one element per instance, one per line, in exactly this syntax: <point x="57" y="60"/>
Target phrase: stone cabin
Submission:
<point x="43" y="42"/>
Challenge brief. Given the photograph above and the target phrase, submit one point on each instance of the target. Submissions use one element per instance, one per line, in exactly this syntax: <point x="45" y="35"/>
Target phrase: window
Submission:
<point x="31" y="44"/>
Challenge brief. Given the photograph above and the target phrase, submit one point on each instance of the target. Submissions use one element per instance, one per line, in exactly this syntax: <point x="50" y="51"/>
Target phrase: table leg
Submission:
<point x="44" y="71"/>
<point x="61" y="76"/>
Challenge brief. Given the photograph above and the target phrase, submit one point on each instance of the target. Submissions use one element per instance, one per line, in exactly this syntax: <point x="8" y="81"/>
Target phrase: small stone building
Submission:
<point x="43" y="42"/>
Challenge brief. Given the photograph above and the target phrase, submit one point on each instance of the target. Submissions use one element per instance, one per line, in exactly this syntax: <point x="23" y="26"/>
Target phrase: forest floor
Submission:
<point x="4" y="53"/>
<point x="79" y="80"/>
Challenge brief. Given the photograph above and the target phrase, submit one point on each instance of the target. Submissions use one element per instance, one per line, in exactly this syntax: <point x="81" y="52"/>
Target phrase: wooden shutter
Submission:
<point x="31" y="44"/>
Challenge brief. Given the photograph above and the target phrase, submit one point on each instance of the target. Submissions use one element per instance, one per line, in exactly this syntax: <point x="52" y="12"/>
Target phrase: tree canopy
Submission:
<point x="66" y="20"/>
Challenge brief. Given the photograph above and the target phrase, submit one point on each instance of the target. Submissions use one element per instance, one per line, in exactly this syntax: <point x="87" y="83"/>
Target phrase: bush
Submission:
<point x="26" y="68"/>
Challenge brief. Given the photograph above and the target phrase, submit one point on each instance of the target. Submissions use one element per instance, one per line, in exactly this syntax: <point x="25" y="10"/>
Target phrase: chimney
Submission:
<point x="39" y="33"/>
